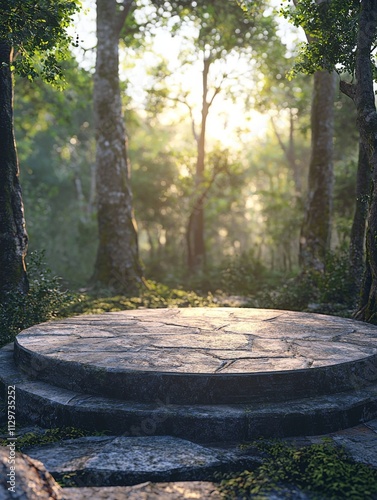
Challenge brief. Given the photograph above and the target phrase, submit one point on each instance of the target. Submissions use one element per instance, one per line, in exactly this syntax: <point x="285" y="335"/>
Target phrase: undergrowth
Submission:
<point x="44" y="301"/>
<point x="330" y="292"/>
<point x="47" y="300"/>
<point x="154" y="295"/>
<point x="322" y="471"/>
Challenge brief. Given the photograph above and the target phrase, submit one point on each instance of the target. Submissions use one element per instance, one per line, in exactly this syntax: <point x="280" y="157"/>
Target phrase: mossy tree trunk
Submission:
<point x="13" y="237"/>
<point x="117" y="265"/>
<point x="364" y="97"/>
<point x="316" y="229"/>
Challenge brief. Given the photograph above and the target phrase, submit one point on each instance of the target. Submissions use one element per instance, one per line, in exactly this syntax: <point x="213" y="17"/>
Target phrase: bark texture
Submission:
<point x="316" y="229"/>
<point x="364" y="98"/>
<point x="13" y="237"/>
<point x="117" y="265"/>
<point x="357" y="240"/>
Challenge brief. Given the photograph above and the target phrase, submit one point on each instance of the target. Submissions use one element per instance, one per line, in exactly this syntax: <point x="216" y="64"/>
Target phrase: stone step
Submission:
<point x="50" y="406"/>
<point x="123" y="461"/>
<point x="33" y="481"/>
<point x="205" y="356"/>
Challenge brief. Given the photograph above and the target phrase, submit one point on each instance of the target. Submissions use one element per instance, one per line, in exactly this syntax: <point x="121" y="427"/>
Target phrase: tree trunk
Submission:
<point x="117" y="265"/>
<point x="316" y="228"/>
<point x="290" y="152"/>
<point x="357" y="240"/>
<point x="367" y="120"/>
<point x="195" y="236"/>
<point x="13" y="237"/>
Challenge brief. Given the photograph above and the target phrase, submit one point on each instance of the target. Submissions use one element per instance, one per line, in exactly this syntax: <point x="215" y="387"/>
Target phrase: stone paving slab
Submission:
<point x="131" y="460"/>
<point x="118" y="460"/>
<point x="202" y="355"/>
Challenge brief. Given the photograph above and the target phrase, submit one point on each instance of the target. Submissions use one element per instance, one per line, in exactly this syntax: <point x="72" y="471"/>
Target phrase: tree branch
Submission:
<point x="216" y="92"/>
<point x="127" y="4"/>
<point x="193" y="127"/>
<point x="281" y="143"/>
<point x="200" y="199"/>
<point x="349" y="89"/>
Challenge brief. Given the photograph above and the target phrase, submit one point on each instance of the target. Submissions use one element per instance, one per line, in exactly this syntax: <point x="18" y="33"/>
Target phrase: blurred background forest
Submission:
<point x="257" y="154"/>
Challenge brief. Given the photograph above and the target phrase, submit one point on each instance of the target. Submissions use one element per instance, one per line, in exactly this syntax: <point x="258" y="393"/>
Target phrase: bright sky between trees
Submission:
<point x="228" y="121"/>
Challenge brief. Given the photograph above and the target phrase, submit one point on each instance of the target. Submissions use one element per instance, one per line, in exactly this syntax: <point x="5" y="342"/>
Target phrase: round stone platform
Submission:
<point x="202" y="356"/>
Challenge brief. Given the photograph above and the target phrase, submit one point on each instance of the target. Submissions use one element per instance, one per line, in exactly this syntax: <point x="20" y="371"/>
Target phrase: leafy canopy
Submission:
<point x="37" y="33"/>
<point x="331" y="28"/>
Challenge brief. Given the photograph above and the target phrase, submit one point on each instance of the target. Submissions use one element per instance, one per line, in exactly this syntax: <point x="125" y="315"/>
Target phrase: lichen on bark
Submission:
<point x="316" y="228"/>
<point x="117" y="265"/>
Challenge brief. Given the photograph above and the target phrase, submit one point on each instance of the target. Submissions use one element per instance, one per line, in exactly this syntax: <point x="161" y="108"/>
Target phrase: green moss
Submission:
<point x="320" y="470"/>
<point x="154" y="295"/>
<point x="48" y="436"/>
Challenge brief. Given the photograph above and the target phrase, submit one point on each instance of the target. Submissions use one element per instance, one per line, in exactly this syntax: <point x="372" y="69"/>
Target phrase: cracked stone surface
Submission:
<point x="203" y="340"/>
<point x="130" y="460"/>
<point x="201" y="355"/>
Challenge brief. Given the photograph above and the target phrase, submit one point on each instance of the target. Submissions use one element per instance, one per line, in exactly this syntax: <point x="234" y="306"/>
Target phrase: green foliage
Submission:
<point x="221" y="26"/>
<point x="154" y="295"/>
<point x="56" y="148"/>
<point x="330" y="292"/>
<point x="42" y="303"/>
<point x="37" y="33"/>
<point x="293" y="293"/>
<point x="336" y="285"/>
<point x="321" y="470"/>
<point x="332" y="30"/>
<point x="242" y="275"/>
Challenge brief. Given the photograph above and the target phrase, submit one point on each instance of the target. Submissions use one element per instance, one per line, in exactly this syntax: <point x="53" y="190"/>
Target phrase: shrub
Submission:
<point x="242" y="274"/>
<point x="42" y="303"/>
<point x="293" y="294"/>
<point x="336" y="285"/>
<point x="332" y="291"/>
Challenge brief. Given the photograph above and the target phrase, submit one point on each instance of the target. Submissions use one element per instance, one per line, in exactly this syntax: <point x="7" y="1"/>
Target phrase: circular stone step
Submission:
<point x="202" y="355"/>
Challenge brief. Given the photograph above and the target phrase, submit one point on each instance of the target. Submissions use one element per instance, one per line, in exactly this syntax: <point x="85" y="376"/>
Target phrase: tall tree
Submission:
<point x="316" y="228"/>
<point x="32" y="36"/>
<point x="347" y="34"/>
<point x="221" y="31"/>
<point x="117" y="265"/>
<point x="357" y="236"/>
<point x="363" y="94"/>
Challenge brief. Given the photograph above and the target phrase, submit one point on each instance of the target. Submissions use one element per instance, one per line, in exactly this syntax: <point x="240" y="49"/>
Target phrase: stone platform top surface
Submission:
<point x="203" y="340"/>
